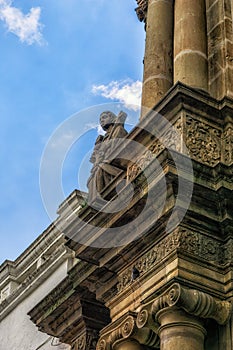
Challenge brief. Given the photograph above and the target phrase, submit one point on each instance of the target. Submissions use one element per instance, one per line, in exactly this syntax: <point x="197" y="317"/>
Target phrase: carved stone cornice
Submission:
<point x="192" y="301"/>
<point x="126" y="328"/>
<point x="71" y="314"/>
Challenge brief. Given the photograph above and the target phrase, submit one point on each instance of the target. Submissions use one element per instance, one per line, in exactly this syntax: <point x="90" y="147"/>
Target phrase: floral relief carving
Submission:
<point x="203" y="141"/>
<point x="171" y="139"/>
<point x="228" y="145"/>
<point x="183" y="240"/>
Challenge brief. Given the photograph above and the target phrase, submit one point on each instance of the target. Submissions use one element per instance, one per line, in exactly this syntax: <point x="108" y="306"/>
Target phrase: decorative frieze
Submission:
<point x="171" y="139"/>
<point x="203" y="142"/>
<point x="183" y="240"/>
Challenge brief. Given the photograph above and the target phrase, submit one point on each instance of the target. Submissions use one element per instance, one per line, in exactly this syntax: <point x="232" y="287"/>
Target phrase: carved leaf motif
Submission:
<point x="203" y="142"/>
<point x="187" y="241"/>
<point x="170" y="139"/>
<point x="228" y="145"/>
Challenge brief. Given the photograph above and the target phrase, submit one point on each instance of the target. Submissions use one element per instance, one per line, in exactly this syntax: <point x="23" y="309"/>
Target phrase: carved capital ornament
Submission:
<point x="143" y="326"/>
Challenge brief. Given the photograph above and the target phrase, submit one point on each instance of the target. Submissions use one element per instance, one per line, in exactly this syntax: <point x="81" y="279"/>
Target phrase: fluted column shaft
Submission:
<point x="179" y="330"/>
<point x="190" y="43"/>
<point x="158" y="60"/>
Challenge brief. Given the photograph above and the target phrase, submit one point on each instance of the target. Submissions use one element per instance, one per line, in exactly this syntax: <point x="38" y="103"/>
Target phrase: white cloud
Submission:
<point x="127" y="92"/>
<point x="96" y="126"/>
<point x="26" y="27"/>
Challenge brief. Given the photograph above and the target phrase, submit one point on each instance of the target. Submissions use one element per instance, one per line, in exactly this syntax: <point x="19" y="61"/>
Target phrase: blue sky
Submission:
<point x="58" y="57"/>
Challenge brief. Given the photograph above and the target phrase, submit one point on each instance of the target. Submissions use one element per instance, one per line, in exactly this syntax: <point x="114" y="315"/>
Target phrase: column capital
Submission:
<point x="192" y="301"/>
<point x="126" y="328"/>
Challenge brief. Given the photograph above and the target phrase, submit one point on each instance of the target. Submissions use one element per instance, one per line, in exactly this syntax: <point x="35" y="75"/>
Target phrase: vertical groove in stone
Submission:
<point x="220" y="48"/>
<point x="190" y="43"/>
<point x="158" y="60"/>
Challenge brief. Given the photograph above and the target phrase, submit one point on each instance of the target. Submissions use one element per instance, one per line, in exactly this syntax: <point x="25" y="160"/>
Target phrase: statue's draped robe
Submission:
<point x="102" y="172"/>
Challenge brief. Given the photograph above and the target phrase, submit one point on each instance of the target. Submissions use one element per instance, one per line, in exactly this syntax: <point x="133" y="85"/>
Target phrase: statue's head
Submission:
<point x="107" y="118"/>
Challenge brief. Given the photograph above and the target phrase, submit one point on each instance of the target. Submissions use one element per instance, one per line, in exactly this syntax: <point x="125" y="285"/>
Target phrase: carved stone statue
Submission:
<point x="103" y="171"/>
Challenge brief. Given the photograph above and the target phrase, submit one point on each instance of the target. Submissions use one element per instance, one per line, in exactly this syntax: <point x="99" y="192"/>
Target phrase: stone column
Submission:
<point x="220" y="47"/>
<point x="177" y="316"/>
<point x="158" y="60"/>
<point x="190" y="43"/>
<point x="179" y="330"/>
<point x="126" y="344"/>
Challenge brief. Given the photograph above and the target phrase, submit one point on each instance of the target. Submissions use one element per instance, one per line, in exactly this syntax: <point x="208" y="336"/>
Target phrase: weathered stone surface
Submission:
<point x="202" y="39"/>
<point x="190" y="45"/>
<point x="158" y="60"/>
<point x="220" y="39"/>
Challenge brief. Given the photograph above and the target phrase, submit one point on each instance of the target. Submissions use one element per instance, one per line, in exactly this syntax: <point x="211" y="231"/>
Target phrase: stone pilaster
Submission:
<point x="190" y="43"/>
<point x="158" y="60"/>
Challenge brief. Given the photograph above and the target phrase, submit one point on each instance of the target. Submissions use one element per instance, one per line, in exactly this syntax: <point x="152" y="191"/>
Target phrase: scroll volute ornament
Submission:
<point x="192" y="301"/>
<point x="128" y="329"/>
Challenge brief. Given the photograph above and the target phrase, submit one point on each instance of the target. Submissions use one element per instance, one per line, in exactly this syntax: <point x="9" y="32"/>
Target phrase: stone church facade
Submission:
<point x="170" y="285"/>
